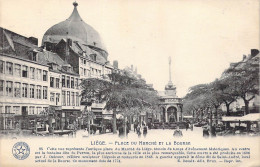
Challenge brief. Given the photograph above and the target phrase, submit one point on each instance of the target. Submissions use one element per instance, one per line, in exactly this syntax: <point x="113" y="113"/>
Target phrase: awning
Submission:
<point x="107" y="117"/>
<point x="251" y="117"/>
<point x="187" y="116"/>
<point x="231" y="119"/>
<point x="254" y="117"/>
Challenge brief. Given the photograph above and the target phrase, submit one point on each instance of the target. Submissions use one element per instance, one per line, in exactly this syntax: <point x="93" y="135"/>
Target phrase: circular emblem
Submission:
<point x="21" y="150"/>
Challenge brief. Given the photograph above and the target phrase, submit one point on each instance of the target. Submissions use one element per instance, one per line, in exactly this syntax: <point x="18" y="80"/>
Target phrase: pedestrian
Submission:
<point x="213" y="131"/>
<point x="127" y="130"/>
<point x="187" y="126"/>
<point x="145" y="130"/>
<point x="135" y="126"/>
<point x="85" y="133"/>
<point x="149" y="125"/>
<point x="191" y="126"/>
<point x="177" y="132"/>
<point x="205" y="132"/>
<point x="120" y="131"/>
<point x="163" y="126"/>
<point x="139" y="131"/>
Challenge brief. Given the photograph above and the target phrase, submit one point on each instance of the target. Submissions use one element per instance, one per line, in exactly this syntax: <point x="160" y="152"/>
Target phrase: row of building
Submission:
<point x="39" y="81"/>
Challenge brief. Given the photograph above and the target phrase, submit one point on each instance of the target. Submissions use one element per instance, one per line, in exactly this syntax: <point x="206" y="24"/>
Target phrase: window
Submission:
<point x="38" y="110"/>
<point x="25" y="71"/>
<point x="68" y="82"/>
<point x="85" y="62"/>
<point x="9" y="88"/>
<point x="39" y="74"/>
<point x="51" y="82"/>
<point x="45" y="109"/>
<point x="8" y="109"/>
<point x="81" y="61"/>
<point x="72" y="98"/>
<point x="57" y="83"/>
<point x="77" y="99"/>
<point x="32" y="73"/>
<point x="24" y="90"/>
<point x="76" y="83"/>
<point x="85" y="72"/>
<point x="63" y="98"/>
<point x="17" y="89"/>
<point x="57" y="98"/>
<point x="32" y="88"/>
<point x="95" y="57"/>
<point x="1" y="109"/>
<point x="2" y="63"/>
<point x="34" y="56"/>
<point x="81" y="71"/>
<point x="72" y="82"/>
<point x="9" y="68"/>
<point x="31" y="110"/>
<point x="38" y="92"/>
<point x="17" y="110"/>
<point x="68" y="98"/>
<point x="45" y="75"/>
<point x="44" y="92"/>
<point x="52" y="97"/>
<point x="1" y="87"/>
<point x="63" y="81"/>
<point x="17" y="70"/>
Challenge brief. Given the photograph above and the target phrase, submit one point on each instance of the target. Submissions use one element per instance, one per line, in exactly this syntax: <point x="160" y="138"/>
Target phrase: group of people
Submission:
<point x="207" y="130"/>
<point x="138" y="129"/>
<point x="189" y="126"/>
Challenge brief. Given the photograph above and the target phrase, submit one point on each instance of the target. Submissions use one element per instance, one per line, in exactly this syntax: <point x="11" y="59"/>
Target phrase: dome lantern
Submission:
<point x="75" y="4"/>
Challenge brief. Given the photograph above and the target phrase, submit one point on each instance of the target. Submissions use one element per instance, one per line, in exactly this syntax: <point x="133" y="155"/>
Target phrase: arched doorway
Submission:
<point x="172" y="114"/>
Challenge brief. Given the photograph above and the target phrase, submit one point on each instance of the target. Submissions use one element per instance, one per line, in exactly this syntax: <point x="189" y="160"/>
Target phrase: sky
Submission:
<point x="202" y="37"/>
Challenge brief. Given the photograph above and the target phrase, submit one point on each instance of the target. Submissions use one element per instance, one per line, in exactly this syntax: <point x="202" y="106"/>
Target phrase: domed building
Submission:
<point x="76" y="29"/>
<point x="78" y="44"/>
<point x="80" y="47"/>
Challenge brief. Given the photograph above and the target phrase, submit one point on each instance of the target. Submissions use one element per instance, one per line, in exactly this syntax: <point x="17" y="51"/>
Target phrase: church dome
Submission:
<point x="76" y="29"/>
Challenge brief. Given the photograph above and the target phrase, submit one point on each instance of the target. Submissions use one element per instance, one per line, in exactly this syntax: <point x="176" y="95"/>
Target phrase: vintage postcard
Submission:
<point x="129" y="83"/>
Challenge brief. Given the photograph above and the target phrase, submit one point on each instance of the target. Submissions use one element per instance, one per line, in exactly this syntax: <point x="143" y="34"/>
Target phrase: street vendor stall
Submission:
<point x="247" y="123"/>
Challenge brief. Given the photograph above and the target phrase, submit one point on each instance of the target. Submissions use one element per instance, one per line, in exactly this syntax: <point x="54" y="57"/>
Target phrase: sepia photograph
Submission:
<point x="122" y="83"/>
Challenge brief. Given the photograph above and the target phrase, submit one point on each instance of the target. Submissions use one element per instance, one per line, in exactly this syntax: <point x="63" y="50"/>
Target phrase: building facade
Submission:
<point x="39" y="81"/>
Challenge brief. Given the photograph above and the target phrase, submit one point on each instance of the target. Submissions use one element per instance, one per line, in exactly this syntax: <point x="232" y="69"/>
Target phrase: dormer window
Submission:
<point x="34" y="56"/>
<point x="94" y="57"/>
<point x="54" y="66"/>
<point x="69" y="69"/>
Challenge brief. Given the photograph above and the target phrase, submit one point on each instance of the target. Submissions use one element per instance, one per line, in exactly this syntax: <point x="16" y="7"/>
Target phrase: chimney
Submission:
<point x="67" y="50"/>
<point x="132" y="67"/>
<point x="244" y="57"/>
<point x="254" y="52"/>
<point x="135" y="70"/>
<point x="115" y="64"/>
<point x="33" y="40"/>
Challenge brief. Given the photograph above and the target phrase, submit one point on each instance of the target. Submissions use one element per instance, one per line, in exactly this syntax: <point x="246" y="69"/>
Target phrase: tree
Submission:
<point x="245" y="79"/>
<point x="120" y="93"/>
